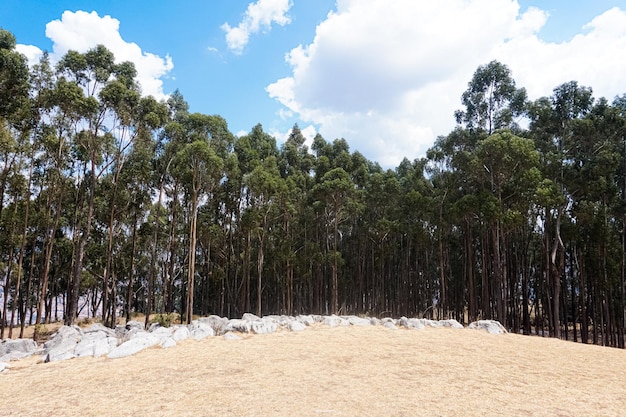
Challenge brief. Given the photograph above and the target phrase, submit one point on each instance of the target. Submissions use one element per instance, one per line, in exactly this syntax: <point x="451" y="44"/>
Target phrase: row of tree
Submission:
<point x="115" y="203"/>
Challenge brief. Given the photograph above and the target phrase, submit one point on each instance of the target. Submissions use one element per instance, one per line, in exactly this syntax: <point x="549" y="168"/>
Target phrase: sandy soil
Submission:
<point x="356" y="371"/>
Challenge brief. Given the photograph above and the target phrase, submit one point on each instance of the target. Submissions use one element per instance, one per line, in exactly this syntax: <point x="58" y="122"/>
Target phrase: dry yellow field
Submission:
<point x="345" y="371"/>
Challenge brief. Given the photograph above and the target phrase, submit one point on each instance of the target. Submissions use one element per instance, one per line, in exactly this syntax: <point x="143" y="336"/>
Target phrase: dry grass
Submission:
<point x="356" y="371"/>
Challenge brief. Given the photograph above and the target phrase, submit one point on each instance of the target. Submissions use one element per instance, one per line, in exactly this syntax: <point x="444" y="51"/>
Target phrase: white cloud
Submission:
<point x="387" y="76"/>
<point x="81" y="31"/>
<point x="259" y="16"/>
<point x="31" y="52"/>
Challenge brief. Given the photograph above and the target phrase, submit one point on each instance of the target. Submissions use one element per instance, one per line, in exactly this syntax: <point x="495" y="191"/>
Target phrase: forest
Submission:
<point x="113" y="203"/>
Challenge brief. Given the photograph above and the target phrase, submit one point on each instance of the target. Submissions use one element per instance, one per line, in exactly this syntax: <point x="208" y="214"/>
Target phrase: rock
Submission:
<point x="218" y="323"/>
<point x="16" y="349"/>
<point x="306" y="320"/>
<point x="264" y="326"/>
<point x="236" y="325"/>
<point x="181" y="333"/>
<point x="4" y="367"/>
<point x="411" y="323"/>
<point x="95" y="344"/>
<point x="389" y="325"/>
<point x="168" y="343"/>
<point x="200" y="330"/>
<point x="375" y="321"/>
<point x="250" y="317"/>
<point x="358" y="321"/>
<point x="451" y="323"/>
<point x="62" y="344"/>
<point x="334" y="321"/>
<point x="296" y="326"/>
<point x="231" y="336"/>
<point x="162" y="333"/>
<point x="99" y="327"/>
<point x="133" y="346"/>
<point x="491" y="326"/>
<point x="134" y="325"/>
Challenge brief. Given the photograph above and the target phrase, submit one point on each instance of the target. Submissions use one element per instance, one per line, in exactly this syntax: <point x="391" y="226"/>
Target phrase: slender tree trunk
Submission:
<point x="20" y="261"/>
<point x="192" y="256"/>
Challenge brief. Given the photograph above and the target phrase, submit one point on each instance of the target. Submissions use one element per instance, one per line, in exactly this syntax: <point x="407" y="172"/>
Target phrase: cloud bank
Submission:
<point x="259" y="16"/>
<point x="387" y="76"/>
<point x="81" y="31"/>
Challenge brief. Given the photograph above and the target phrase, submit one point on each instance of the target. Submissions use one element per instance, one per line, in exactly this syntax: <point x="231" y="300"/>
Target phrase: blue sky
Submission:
<point x="386" y="76"/>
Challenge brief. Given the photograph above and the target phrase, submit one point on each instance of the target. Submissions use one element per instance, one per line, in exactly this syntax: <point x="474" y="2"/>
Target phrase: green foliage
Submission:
<point x="164" y="319"/>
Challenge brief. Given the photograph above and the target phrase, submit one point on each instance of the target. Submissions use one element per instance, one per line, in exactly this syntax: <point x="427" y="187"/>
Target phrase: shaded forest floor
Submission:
<point x="322" y="371"/>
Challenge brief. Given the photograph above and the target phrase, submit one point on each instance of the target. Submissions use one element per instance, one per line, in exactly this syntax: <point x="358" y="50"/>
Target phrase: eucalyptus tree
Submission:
<point x="509" y="167"/>
<point x="553" y="121"/>
<point x="491" y="100"/>
<point x="198" y="166"/>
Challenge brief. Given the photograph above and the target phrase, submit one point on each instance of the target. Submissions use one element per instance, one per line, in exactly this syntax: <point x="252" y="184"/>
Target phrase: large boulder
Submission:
<point x="133" y="346"/>
<point x="95" y="344"/>
<point x="168" y="343"/>
<point x="451" y="323"/>
<point x="358" y="321"/>
<point x="491" y="326"/>
<point x="237" y="325"/>
<point x="296" y="326"/>
<point x="218" y="323"/>
<point x="308" y="320"/>
<point x="161" y="333"/>
<point x="62" y="344"/>
<point x="264" y="326"/>
<point x="16" y="349"/>
<point x="411" y="323"/>
<point x="199" y="330"/>
<point x="334" y="321"/>
<point x="250" y="317"/>
<point x="99" y="327"/>
<point x="180" y="333"/>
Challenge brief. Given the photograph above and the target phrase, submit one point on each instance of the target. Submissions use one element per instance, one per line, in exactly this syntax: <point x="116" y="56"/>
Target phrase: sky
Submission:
<point x="384" y="75"/>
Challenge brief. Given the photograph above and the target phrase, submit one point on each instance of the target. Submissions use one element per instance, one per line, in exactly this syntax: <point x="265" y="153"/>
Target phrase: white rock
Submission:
<point x="491" y="326"/>
<point x="202" y="331"/>
<point x="162" y="333"/>
<point x="4" y="366"/>
<point x="62" y="344"/>
<point x="359" y="321"/>
<point x="168" y="343"/>
<point x="133" y="346"/>
<point x="97" y="344"/>
<point x="334" y="321"/>
<point x="389" y="325"/>
<point x="296" y="326"/>
<point x="99" y="327"/>
<point x="250" y="317"/>
<point x="216" y="322"/>
<point x="411" y="323"/>
<point x="264" y="326"/>
<point x="307" y="320"/>
<point x="452" y="323"/>
<point x="181" y="333"/>
<point x="236" y="325"/>
<point x="231" y="336"/>
<point x="16" y="349"/>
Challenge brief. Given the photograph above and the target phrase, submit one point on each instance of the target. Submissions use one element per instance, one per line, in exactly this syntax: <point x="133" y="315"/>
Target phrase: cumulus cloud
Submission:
<point x="259" y="16"/>
<point x="387" y="76"/>
<point x="81" y="31"/>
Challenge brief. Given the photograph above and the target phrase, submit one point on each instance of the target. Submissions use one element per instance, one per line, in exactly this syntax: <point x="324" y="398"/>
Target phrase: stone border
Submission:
<point x="126" y="340"/>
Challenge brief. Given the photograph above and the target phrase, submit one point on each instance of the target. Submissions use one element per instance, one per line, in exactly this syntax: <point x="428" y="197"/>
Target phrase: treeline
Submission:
<point x="114" y="203"/>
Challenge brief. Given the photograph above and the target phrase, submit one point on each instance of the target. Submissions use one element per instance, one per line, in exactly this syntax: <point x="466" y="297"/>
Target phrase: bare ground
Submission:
<point x="355" y="371"/>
